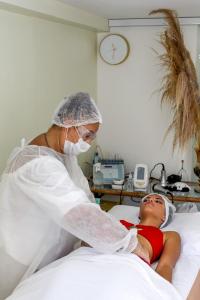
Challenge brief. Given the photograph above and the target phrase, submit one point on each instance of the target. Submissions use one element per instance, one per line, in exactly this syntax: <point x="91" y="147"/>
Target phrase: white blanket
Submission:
<point x="88" y="275"/>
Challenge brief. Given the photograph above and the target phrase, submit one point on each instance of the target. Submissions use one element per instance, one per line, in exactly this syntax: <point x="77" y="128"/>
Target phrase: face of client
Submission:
<point x="152" y="211"/>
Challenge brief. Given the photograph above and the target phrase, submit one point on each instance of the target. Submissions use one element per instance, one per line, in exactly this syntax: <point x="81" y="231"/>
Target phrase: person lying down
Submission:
<point x="156" y="212"/>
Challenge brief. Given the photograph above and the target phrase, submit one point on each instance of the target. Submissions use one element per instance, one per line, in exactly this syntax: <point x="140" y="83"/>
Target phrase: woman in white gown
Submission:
<point x="45" y="200"/>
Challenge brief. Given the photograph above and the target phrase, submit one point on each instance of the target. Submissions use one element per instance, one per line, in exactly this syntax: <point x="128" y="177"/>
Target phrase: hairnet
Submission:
<point x="76" y="110"/>
<point x="169" y="209"/>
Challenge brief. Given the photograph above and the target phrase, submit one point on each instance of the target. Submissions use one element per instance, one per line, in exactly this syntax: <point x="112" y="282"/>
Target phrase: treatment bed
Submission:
<point x="86" y="274"/>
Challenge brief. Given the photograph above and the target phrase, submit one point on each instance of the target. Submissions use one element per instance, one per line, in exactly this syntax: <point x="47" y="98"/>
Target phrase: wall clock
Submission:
<point x="114" y="49"/>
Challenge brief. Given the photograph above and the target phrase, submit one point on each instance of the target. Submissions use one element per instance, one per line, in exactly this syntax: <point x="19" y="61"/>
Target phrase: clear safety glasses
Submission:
<point x="86" y="134"/>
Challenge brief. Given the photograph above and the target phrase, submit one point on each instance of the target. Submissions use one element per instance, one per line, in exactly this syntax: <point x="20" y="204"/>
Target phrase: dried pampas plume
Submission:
<point x="180" y="85"/>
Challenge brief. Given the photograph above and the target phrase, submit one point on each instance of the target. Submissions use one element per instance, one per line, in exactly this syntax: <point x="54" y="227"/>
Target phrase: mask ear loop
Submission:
<point x="80" y="137"/>
<point x="66" y="133"/>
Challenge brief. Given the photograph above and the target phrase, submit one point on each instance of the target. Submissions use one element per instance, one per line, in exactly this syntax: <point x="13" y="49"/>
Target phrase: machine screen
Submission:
<point x="140" y="173"/>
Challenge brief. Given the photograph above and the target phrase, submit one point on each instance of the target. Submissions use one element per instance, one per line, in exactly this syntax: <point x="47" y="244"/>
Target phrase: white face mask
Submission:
<point x="77" y="148"/>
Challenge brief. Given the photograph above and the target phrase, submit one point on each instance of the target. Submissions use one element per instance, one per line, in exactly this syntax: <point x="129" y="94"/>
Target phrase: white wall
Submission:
<point x="55" y="10"/>
<point x="134" y="124"/>
<point x="40" y="62"/>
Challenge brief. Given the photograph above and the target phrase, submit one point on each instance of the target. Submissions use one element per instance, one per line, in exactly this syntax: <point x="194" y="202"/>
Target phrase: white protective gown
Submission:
<point x="45" y="205"/>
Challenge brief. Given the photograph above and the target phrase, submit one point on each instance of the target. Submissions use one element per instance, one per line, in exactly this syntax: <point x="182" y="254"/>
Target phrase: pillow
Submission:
<point x="125" y="212"/>
<point x="186" y="224"/>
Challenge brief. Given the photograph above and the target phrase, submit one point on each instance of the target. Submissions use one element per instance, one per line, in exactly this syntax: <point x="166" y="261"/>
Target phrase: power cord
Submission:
<point x="120" y="196"/>
<point x="163" y="167"/>
<point x="134" y="200"/>
<point x="172" y="196"/>
<point x="98" y="149"/>
<point x="162" y="191"/>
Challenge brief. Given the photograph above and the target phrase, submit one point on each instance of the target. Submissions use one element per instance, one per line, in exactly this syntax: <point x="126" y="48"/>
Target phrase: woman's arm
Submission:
<point x="46" y="182"/>
<point x="170" y="255"/>
<point x="99" y="229"/>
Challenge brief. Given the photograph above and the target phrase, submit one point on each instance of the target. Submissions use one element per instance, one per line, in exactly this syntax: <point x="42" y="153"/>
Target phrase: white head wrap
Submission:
<point x="169" y="209"/>
<point x="76" y="110"/>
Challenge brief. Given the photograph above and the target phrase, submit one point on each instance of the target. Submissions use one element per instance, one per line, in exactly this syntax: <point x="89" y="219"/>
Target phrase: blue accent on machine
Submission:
<point x="107" y="170"/>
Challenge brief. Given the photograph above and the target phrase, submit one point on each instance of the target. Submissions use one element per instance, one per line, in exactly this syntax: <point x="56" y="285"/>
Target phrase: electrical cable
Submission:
<point x="100" y="150"/>
<point x="134" y="200"/>
<point x="172" y="196"/>
<point x="163" y="168"/>
<point x="162" y="191"/>
<point x="120" y="196"/>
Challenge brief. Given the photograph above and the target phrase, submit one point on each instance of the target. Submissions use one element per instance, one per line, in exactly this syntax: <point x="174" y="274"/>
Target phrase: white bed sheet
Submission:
<point x="86" y="274"/>
<point x="185" y="273"/>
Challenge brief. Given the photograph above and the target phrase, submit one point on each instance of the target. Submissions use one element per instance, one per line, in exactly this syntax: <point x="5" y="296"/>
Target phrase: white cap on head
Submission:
<point x="76" y="110"/>
<point x="170" y="209"/>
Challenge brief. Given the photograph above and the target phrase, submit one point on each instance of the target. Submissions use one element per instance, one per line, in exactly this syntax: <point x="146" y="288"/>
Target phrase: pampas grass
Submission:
<point x="180" y="85"/>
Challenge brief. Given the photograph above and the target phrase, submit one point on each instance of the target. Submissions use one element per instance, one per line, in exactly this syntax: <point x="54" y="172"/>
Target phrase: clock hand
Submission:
<point x="113" y="51"/>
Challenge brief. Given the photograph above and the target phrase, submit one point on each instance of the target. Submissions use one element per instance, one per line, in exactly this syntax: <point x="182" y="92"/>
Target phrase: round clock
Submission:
<point x="114" y="49"/>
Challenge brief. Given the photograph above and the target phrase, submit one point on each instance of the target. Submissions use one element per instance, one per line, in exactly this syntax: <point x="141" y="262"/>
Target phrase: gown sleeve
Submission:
<point x="46" y="181"/>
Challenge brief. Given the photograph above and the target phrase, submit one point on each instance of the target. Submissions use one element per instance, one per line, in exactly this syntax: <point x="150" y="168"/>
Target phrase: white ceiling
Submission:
<point x="113" y="9"/>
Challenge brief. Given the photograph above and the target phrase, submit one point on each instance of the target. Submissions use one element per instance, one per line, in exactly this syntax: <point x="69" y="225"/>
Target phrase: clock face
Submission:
<point x="114" y="49"/>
